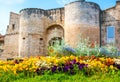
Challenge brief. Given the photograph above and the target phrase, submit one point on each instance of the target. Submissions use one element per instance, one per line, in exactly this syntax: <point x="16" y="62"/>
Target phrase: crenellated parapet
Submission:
<point x="52" y="14"/>
<point x="29" y="11"/>
<point x="56" y="14"/>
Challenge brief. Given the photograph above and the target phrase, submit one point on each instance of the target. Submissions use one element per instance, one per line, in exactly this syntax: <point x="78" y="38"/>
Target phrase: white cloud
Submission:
<point x="11" y="2"/>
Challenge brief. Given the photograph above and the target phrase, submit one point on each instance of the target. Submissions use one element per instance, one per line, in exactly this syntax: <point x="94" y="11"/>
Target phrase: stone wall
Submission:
<point x="82" y="19"/>
<point x="31" y="30"/>
<point x="55" y="15"/>
<point x="111" y="17"/>
<point x="11" y="43"/>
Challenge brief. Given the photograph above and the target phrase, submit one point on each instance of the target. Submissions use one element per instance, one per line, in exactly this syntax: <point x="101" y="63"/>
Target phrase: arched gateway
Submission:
<point x="54" y="32"/>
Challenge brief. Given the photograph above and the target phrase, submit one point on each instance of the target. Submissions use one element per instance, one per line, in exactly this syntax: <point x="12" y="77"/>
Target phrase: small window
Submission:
<point x="41" y="38"/>
<point x="110" y="34"/>
<point x="13" y="26"/>
<point x="23" y="38"/>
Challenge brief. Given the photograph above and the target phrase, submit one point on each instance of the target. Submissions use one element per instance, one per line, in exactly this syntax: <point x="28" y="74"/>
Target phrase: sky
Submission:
<point x="7" y="6"/>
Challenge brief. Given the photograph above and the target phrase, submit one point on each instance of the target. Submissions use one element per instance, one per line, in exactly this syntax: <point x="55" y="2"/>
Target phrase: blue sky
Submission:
<point x="6" y="6"/>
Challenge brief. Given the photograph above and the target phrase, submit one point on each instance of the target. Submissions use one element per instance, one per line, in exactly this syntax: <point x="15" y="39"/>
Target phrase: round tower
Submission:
<point x="117" y="4"/>
<point x="82" y="19"/>
<point x="31" y="39"/>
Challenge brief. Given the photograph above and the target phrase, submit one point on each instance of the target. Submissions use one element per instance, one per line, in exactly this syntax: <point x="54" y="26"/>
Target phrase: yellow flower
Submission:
<point x="111" y="67"/>
<point x="72" y="57"/>
<point x="5" y="68"/>
<point x="103" y="69"/>
<point x="103" y="65"/>
<point x="102" y="59"/>
<point x="14" y="71"/>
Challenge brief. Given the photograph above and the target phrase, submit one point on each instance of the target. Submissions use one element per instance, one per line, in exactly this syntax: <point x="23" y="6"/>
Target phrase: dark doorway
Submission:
<point x="55" y="40"/>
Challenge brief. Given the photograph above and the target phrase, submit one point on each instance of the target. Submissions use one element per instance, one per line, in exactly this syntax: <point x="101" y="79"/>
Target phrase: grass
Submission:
<point x="72" y="78"/>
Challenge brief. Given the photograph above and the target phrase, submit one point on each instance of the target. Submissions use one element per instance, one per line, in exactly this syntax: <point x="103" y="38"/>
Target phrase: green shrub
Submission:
<point x="109" y="51"/>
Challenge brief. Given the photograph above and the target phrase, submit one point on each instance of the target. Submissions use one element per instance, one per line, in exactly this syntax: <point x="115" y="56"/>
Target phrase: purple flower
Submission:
<point x="73" y="61"/>
<point x="86" y="65"/>
<point x="81" y="66"/>
<point x="54" y="68"/>
<point x="71" y="67"/>
<point x="118" y="66"/>
<point x="40" y="71"/>
<point x="78" y="63"/>
<point x="65" y="68"/>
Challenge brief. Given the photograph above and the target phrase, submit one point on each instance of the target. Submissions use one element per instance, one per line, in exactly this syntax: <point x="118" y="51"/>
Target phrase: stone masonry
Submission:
<point x="30" y="32"/>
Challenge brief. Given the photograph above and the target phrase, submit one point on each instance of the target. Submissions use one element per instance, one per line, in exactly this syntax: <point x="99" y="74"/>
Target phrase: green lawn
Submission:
<point x="72" y="78"/>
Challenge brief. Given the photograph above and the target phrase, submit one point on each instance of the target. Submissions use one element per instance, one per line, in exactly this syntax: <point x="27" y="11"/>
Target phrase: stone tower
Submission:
<point x="32" y="32"/>
<point x="82" y="18"/>
<point x="37" y="31"/>
<point x="11" y="41"/>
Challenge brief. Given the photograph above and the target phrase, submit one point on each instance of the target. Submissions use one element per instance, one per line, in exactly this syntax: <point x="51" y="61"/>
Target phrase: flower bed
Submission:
<point x="66" y="64"/>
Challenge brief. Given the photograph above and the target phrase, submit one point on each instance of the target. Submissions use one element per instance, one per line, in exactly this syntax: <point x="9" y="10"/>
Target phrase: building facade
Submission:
<point x="30" y="32"/>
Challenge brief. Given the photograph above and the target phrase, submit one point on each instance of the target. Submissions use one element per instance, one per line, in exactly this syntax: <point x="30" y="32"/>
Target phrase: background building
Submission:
<point x="1" y="43"/>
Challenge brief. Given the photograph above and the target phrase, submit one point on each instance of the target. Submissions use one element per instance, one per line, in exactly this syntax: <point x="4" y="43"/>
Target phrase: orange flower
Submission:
<point x="92" y="45"/>
<point x="93" y="57"/>
<point x="51" y="50"/>
<point x="82" y="57"/>
<point x="109" y="61"/>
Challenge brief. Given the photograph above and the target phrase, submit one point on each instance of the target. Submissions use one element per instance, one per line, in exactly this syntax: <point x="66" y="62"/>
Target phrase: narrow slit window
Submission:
<point x="13" y="26"/>
<point x="41" y="38"/>
<point x="110" y="34"/>
<point x="23" y="38"/>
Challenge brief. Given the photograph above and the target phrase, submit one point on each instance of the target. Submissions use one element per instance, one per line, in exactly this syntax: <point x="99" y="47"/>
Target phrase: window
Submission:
<point x="23" y="38"/>
<point x="41" y="41"/>
<point x="13" y="26"/>
<point x="110" y="34"/>
<point x="41" y="38"/>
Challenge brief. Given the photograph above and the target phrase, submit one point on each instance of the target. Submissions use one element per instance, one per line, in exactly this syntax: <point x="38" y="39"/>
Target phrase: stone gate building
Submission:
<point x="32" y="30"/>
